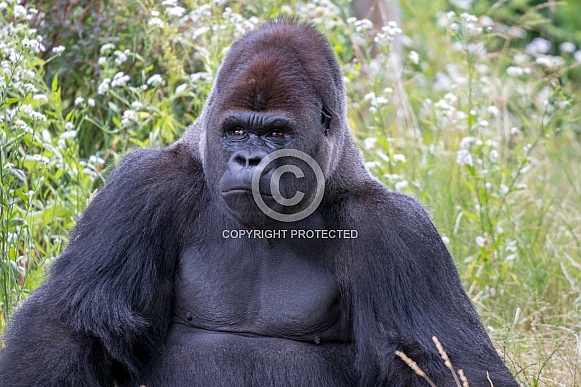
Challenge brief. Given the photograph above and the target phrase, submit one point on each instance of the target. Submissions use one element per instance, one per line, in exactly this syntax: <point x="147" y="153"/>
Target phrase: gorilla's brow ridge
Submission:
<point x="256" y="121"/>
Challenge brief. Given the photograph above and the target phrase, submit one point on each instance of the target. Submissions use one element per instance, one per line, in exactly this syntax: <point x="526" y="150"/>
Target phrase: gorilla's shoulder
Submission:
<point x="394" y="210"/>
<point x="158" y="177"/>
<point x="176" y="161"/>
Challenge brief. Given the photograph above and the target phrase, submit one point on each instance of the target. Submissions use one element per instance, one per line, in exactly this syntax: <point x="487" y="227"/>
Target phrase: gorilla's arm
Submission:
<point x="106" y="305"/>
<point x="406" y="289"/>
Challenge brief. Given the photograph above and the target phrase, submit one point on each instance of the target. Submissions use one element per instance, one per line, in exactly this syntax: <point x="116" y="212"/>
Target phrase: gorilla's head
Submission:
<point x="280" y="87"/>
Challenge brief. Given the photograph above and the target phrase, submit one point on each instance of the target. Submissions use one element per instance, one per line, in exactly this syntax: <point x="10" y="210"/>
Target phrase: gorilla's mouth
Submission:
<point x="241" y="191"/>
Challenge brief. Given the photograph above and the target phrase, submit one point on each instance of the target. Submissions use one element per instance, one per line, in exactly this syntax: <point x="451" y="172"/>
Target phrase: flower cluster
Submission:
<point x="388" y="33"/>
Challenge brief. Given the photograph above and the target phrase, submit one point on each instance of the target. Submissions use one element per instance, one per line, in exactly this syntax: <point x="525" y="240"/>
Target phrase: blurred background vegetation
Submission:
<point x="470" y="105"/>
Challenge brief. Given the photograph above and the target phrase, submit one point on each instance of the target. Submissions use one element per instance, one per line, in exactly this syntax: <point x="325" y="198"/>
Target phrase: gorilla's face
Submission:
<point x="260" y="173"/>
<point x="273" y="94"/>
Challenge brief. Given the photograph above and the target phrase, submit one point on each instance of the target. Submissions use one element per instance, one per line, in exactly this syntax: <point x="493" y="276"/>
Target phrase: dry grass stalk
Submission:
<point x="463" y="378"/>
<point x="489" y="381"/>
<point x="415" y="367"/>
<point x="446" y="359"/>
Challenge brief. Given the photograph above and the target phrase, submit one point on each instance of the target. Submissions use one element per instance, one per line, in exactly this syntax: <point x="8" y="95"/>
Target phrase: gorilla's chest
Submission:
<point x="249" y="287"/>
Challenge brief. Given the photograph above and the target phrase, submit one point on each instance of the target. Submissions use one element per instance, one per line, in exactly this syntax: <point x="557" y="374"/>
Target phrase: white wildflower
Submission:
<point x="26" y="109"/>
<point x="40" y="158"/>
<point x="120" y="79"/>
<point x="521" y="58"/>
<point x="101" y="61"/>
<point x="181" y="88"/>
<point x="19" y="124"/>
<point x="517" y="71"/>
<point x="106" y="48"/>
<point x="29" y="87"/>
<point x="128" y="116"/>
<point x="40" y="97"/>
<point x="154" y="13"/>
<point x="567" y="47"/>
<point x="70" y="134"/>
<point x="463" y="157"/>
<point x="196" y="33"/>
<point x="58" y="49"/>
<point x="493" y="155"/>
<point x="96" y="160"/>
<point x="19" y="11"/>
<point x="381" y="100"/>
<point x="136" y="105"/>
<point x="156" y="22"/>
<point x="401" y="185"/>
<point x="154" y="80"/>
<point x="38" y="116"/>
<point x="577" y="56"/>
<point x="201" y="76"/>
<point x="480" y="241"/>
<point x="493" y="110"/>
<point x="121" y="57"/>
<point x="91" y="102"/>
<point x="363" y="25"/>
<point x="169" y="2"/>
<point x="538" y="46"/>
<point x="486" y="21"/>
<point x="79" y="100"/>
<point x="514" y="71"/>
<point x="104" y="86"/>
<point x="450" y="98"/>
<point x="176" y="11"/>
<point x="388" y="32"/>
<point x="550" y="61"/>
<point x="3" y="5"/>
<point x="69" y="125"/>
<point x="399" y="158"/>
<point x="466" y="141"/>
<point x="414" y="57"/>
<point x="369" y="143"/>
<point x="469" y="18"/>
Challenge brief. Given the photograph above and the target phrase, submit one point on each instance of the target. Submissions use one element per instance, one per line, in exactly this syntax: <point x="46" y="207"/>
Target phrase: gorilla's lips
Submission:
<point x="240" y="190"/>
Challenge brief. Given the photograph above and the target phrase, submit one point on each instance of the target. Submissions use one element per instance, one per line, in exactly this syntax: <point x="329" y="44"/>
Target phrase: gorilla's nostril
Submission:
<point x="247" y="159"/>
<point x="253" y="161"/>
<point x="239" y="159"/>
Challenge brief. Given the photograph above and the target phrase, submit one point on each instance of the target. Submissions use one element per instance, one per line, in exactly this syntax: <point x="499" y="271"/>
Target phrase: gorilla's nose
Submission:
<point x="245" y="159"/>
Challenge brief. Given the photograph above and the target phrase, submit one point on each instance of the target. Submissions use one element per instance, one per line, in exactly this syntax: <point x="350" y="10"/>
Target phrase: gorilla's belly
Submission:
<point x="194" y="357"/>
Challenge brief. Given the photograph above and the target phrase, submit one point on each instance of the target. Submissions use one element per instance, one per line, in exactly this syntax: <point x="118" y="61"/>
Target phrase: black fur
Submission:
<point x="149" y="291"/>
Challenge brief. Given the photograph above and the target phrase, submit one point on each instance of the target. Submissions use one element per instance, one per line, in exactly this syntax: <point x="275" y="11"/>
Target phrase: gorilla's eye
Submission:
<point x="238" y="132"/>
<point x="276" y="134"/>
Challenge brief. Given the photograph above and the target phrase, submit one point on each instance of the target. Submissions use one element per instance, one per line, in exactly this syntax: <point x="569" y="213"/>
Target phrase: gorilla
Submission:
<point x="206" y="263"/>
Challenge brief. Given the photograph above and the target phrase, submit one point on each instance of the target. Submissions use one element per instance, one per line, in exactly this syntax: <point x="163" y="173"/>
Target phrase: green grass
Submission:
<point x="493" y="156"/>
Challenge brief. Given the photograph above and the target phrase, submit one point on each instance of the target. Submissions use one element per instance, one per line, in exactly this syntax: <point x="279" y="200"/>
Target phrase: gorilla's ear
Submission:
<point x="326" y="119"/>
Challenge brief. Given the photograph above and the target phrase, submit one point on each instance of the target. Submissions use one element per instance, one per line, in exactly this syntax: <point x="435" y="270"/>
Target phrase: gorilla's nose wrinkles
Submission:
<point x="247" y="159"/>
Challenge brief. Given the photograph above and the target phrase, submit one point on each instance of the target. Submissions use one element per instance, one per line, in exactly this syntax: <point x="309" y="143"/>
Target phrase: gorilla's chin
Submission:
<point x="243" y="208"/>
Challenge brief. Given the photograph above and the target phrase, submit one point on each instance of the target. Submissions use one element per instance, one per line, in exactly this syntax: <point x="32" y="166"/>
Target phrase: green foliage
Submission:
<point x="486" y="135"/>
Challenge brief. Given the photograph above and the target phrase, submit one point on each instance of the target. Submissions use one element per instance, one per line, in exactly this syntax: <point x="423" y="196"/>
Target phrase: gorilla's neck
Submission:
<point x="349" y="172"/>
